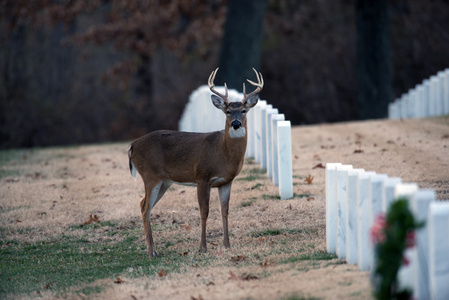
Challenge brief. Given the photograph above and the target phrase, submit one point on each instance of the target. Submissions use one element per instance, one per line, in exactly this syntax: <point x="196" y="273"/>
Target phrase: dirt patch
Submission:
<point x="277" y="247"/>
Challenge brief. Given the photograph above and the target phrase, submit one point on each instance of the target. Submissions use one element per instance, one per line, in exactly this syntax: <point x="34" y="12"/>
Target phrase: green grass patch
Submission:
<point x="252" y="174"/>
<point x="68" y="261"/>
<point x="271" y="197"/>
<point x="7" y="156"/>
<point x="256" y="186"/>
<point x="301" y="297"/>
<point x="302" y="195"/>
<point x="315" y="256"/>
<point x="247" y="203"/>
<point x="4" y="173"/>
<point x="274" y="232"/>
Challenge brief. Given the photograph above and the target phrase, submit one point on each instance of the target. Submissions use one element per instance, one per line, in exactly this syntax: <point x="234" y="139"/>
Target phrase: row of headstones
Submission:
<point x="428" y="99"/>
<point x="354" y="197"/>
<point x="269" y="134"/>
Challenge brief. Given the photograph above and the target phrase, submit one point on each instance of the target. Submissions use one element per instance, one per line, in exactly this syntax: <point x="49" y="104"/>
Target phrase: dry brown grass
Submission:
<point x="46" y="193"/>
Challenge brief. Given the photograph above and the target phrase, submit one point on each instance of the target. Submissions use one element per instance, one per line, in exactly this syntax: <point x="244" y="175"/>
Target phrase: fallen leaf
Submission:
<point x="267" y="263"/>
<point x="249" y="277"/>
<point x="446" y="136"/>
<point x="182" y="192"/>
<point x="310" y="198"/>
<point x="234" y="277"/>
<point x="289" y="206"/>
<point x="308" y="179"/>
<point x="119" y="280"/>
<point x="196" y="298"/>
<point x="184" y="253"/>
<point x="262" y="239"/>
<point x="91" y="220"/>
<point x="320" y="165"/>
<point x="296" y="157"/>
<point x="210" y="283"/>
<point x="186" y="226"/>
<point x="213" y="244"/>
<point x="134" y="297"/>
<point x="162" y="273"/>
<point x="11" y="180"/>
<point x="358" y="151"/>
<point x="317" y="157"/>
<point x="238" y="258"/>
<point x="18" y="221"/>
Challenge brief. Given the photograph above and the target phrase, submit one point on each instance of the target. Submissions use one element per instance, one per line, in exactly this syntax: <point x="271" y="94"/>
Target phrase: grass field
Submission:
<point x="70" y="224"/>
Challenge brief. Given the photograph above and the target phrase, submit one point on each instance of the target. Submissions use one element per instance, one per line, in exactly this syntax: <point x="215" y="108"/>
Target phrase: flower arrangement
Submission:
<point x="391" y="235"/>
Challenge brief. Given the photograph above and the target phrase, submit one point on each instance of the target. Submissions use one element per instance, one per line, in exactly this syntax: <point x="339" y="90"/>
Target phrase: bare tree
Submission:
<point x="241" y="47"/>
<point x="374" y="70"/>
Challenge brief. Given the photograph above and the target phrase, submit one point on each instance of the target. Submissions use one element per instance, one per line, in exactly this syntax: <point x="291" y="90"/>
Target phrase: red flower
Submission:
<point x="405" y="261"/>
<point x="410" y="239"/>
<point x="377" y="230"/>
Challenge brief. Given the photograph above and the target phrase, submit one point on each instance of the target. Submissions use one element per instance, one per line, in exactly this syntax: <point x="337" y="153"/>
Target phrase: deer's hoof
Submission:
<point x="153" y="254"/>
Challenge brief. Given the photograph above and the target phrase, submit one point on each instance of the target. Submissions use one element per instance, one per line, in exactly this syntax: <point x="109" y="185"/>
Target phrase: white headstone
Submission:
<point x="285" y="159"/>
<point x="351" y="216"/>
<point x="275" y="148"/>
<point x="439" y="250"/>
<point x="434" y="87"/>
<point x="250" y="133"/>
<point x="341" y="190"/>
<point x="263" y="144"/>
<point x="420" y="207"/>
<point x="393" y="111"/>
<point x="363" y="216"/>
<point x="258" y="130"/>
<point x="411" y="104"/>
<point x="420" y="101"/>
<point x="269" y="144"/>
<point x="331" y="207"/>
<point x="388" y="187"/>
<point x="446" y="92"/>
<point x="404" y="106"/>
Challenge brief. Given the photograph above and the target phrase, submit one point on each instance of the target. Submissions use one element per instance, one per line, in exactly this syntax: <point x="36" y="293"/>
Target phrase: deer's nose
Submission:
<point x="236" y="124"/>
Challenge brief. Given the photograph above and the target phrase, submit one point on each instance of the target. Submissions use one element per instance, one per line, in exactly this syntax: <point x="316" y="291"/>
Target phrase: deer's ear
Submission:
<point x="218" y="102"/>
<point x="252" y="100"/>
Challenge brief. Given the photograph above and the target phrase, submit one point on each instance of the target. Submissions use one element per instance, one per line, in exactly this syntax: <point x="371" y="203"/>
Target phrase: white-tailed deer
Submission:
<point x="204" y="160"/>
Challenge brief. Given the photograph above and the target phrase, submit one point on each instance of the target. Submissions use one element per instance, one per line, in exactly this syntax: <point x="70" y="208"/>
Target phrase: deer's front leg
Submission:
<point x="153" y="193"/>
<point x="224" y="193"/>
<point x="203" y="190"/>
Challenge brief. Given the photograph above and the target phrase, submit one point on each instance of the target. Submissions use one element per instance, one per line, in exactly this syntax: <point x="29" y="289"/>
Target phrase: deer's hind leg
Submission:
<point x="154" y="190"/>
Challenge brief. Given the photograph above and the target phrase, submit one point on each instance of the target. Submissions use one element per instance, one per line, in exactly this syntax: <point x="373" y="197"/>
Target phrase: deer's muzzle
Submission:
<point x="236" y="124"/>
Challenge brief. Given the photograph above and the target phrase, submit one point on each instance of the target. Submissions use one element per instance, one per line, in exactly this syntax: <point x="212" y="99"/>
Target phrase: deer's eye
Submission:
<point x="243" y="111"/>
<point x="228" y="112"/>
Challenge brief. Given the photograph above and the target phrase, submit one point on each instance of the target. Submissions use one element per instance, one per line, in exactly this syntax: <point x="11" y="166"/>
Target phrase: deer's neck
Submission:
<point x="235" y="142"/>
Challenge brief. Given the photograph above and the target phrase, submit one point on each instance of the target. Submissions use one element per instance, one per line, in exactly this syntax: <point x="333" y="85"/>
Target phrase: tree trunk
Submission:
<point x="241" y="46"/>
<point x="374" y="71"/>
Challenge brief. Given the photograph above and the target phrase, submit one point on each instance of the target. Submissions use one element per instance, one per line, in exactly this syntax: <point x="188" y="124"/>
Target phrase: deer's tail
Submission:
<point x="132" y="168"/>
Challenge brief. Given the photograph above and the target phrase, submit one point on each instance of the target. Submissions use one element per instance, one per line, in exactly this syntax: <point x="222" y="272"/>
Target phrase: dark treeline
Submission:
<point x="97" y="71"/>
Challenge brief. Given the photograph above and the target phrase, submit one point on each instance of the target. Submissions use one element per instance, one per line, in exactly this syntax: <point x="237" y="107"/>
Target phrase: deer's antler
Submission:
<point x="259" y="85"/>
<point x="212" y="85"/>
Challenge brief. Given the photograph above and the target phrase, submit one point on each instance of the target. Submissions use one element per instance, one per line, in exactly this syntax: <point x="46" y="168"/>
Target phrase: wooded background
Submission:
<point x="107" y="70"/>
